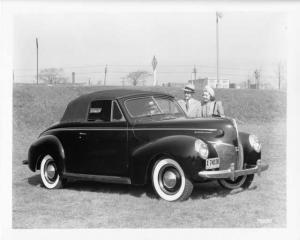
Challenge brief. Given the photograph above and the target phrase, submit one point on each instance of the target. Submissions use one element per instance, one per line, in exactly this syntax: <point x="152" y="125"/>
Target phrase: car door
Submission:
<point x="103" y="142"/>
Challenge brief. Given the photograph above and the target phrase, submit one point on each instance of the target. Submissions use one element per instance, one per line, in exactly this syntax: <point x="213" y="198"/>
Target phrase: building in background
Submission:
<point x="175" y="84"/>
<point x="202" y="82"/>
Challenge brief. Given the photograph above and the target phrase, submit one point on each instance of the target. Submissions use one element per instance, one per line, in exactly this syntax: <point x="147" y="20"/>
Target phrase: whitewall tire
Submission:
<point x="169" y="181"/>
<point x="49" y="173"/>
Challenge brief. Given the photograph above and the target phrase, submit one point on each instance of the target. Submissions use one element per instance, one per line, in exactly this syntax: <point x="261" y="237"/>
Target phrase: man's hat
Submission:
<point x="189" y="88"/>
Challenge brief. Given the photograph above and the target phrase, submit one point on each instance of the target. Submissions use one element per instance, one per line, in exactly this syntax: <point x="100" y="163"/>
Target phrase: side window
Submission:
<point x="100" y="110"/>
<point x="117" y="114"/>
<point x="167" y="106"/>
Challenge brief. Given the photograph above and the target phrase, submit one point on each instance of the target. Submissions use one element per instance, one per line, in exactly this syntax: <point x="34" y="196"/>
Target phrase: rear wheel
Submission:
<point x="49" y="173"/>
<point x="240" y="182"/>
<point x="169" y="181"/>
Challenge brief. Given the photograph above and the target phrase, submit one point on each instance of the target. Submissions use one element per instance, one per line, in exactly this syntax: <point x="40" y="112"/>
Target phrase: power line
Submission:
<point x="200" y="66"/>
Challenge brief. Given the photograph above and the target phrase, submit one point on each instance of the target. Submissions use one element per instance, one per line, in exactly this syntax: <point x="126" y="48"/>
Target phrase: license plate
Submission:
<point x="212" y="163"/>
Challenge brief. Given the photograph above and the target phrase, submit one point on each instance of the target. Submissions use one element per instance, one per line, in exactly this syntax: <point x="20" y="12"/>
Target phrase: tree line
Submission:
<point x="57" y="76"/>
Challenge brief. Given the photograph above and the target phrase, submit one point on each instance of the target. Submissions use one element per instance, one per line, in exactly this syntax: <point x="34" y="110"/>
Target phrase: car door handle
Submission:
<point x="82" y="135"/>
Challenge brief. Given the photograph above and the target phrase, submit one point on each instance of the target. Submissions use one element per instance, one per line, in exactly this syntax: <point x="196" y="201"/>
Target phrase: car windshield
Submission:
<point x="161" y="107"/>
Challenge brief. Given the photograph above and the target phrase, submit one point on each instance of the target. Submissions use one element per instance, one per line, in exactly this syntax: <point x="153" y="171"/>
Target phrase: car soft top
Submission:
<point x="76" y="110"/>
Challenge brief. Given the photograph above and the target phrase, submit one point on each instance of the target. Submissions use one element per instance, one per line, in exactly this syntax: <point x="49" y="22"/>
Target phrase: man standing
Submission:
<point x="191" y="106"/>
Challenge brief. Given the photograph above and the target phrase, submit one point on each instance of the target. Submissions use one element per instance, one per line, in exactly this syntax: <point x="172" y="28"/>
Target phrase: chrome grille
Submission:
<point x="227" y="154"/>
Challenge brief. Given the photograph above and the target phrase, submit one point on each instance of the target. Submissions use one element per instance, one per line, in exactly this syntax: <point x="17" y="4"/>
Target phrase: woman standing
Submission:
<point x="211" y="107"/>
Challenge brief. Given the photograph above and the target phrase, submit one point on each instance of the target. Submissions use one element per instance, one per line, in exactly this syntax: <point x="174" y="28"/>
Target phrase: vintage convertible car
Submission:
<point x="136" y="137"/>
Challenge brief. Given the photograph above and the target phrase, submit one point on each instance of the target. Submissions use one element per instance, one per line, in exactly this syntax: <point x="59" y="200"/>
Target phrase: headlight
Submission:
<point x="201" y="148"/>
<point x="254" y="142"/>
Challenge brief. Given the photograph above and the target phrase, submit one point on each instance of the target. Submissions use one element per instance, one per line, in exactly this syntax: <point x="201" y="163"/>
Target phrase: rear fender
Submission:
<point x="48" y="144"/>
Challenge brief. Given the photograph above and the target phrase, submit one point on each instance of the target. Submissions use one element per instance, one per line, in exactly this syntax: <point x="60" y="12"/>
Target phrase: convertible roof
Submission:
<point x="118" y="93"/>
<point x="77" y="109"/>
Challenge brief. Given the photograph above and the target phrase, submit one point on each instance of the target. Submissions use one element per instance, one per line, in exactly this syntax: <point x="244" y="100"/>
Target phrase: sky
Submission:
<point x="127" y="41"/>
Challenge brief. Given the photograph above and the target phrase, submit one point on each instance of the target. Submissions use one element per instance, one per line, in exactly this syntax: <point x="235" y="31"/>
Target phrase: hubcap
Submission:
<point x="169" y="179"/>
<point x="50" y="171"/>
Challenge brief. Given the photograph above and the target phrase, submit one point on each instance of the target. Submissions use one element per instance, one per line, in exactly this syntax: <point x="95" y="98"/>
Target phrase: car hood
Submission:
<point x="208" y="129"/>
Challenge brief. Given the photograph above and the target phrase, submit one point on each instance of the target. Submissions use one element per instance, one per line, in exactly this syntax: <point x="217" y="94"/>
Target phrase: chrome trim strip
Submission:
<point x="240" y="147"/>
<point x="111" y="110"/>
<point x="175" y="129"/>
<point x="135" y="129"/>
<point x="100" y="178"/>
<point x="221" y="143"/>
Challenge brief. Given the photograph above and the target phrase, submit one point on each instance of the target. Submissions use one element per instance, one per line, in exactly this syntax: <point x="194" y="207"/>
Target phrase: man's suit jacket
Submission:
<point x="194" y="107"/>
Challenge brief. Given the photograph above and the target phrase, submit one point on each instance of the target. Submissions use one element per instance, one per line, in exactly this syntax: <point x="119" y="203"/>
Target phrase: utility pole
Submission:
<point x="105" y="72"/>
<point x="37" y="61"/>
<point x="13" y="76"/>
<point x="154" y="64"/>
<point x="218" y="16"/>
<point x="195" y="74"/>
<point x="257" y="78"/>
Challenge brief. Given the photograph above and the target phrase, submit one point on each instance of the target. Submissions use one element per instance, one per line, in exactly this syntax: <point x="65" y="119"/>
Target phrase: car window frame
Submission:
<point x="153" y="97"/>
<point x="88" y="112"/>
<point x="111" y="113"/>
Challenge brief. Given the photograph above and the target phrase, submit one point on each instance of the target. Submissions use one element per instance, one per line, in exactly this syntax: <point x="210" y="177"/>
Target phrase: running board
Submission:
<point x="99" y="178"/>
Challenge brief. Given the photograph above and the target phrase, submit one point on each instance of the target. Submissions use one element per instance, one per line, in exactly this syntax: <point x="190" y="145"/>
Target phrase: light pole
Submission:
<point x="105" y="72"/>
<point x="219" y="15"/>
<point x="37" y="61"/>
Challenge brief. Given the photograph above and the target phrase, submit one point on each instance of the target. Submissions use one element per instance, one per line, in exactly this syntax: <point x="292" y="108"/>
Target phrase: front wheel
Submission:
<point x="169" y="181"/>
<point x="240" y="182"/>
<point x="49" y="173"/>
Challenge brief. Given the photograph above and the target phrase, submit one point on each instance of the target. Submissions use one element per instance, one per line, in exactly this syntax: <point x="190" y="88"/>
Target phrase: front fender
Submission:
<point x="47" y="144"/>
<point x="178" y="147"/>
<point x="250" y="155"/>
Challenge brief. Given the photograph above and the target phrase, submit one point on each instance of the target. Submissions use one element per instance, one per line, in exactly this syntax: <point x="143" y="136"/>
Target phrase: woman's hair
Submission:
<point x="210" y="91"/>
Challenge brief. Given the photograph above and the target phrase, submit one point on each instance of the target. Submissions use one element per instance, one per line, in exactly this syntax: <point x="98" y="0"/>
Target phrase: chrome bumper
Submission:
<point x="232" y="174"/>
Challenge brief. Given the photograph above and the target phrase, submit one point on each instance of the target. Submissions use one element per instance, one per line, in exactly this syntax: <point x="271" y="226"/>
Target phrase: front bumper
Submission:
<point x="232" y="173"/>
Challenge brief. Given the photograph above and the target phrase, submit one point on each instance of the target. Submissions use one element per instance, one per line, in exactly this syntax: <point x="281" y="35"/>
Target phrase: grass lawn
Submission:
<point x="99" y="205"/>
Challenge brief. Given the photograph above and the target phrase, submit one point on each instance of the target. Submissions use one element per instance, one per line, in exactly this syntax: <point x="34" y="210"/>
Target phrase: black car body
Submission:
<point x="133" y="137"/>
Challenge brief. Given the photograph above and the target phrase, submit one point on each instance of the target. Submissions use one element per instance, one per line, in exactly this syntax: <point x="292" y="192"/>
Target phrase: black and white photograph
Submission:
<point x="129" y="116"/>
